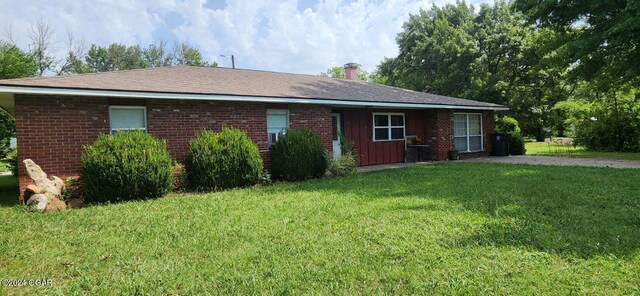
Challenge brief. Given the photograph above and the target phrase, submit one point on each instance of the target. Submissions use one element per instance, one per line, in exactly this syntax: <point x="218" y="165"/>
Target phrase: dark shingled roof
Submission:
<point x="239" y="82"/>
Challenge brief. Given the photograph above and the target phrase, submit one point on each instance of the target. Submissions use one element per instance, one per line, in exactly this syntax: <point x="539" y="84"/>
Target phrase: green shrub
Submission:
<point x="298" y="155"/>
<point x="507" y="124"/>
<point x="610" y="126"/>
<point x="516" y="144"/>
<point x="126" y="166"/>
<point x="12" y="161"/>
<point x="228" y="159"/>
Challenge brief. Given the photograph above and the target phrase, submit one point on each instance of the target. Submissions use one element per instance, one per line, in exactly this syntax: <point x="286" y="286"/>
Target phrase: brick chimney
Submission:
<point x="351" y="71"/>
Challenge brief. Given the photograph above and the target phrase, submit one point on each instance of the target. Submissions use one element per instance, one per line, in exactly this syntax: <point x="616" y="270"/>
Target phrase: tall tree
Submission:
<point x="492" y="56"/>
<point x="156" y="55"/>
<point x="186" y="54"/>
<point x="436" y="48"/>
<point x="606" y="38"/>
<point x="97" y="59"/>
<point x="15" y="63"/>
<point x="72" y="63"/>
<point x="41" y="36"/>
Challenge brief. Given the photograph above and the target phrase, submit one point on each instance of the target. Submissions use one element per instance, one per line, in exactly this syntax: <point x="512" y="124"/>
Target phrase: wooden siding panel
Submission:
<point x="360" y="130"/>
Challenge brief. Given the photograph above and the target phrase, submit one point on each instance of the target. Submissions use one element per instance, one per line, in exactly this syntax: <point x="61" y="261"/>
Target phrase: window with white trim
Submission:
<point x="388" y="126"/>
<point x="127" y="118"/>
<point x="277" y="124"/>
<point x="467" y="132"/>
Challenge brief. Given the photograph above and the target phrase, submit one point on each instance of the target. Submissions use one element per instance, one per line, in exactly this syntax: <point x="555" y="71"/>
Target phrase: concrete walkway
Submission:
<point x="561" y="161"/>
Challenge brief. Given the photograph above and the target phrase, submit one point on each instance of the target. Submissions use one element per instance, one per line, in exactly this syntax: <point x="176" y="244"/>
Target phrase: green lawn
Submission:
<point x="450" y="228"/>
<point x="552" y="149"/>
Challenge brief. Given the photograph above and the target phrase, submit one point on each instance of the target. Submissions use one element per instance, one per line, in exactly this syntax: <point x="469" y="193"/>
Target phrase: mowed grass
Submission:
<point x="553" y="149"/>
<point x="451" y="228"/>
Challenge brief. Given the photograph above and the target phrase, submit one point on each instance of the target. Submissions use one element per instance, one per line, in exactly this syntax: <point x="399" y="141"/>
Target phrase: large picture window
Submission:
<point x="467" y="132"/>
<point x="127" y="118"/>
<point x="388" y="126"/>
<point x="277" y="124"/>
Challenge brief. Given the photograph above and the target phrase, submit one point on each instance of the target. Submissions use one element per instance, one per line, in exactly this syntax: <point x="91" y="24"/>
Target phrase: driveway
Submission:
<point x="562" y="161"/>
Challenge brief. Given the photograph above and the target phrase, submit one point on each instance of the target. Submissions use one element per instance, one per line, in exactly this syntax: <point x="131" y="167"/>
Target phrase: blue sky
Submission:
<point x="303" y="36"/>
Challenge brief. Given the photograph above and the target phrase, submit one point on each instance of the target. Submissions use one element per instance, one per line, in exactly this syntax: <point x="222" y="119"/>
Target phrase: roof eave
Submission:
<point x="18" y="89"/>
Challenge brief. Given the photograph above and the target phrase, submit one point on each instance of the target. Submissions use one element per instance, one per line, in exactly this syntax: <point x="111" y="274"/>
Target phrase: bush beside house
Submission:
<point x="129" y="165"/>
<point x="224" y="160"/>
<point x="298" y="155"/>
<point x="517" y="144"/>
<point x="510" y="125"/>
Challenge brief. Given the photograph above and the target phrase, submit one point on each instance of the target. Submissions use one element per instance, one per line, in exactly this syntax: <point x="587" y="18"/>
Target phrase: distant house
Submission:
<point x="56" y="116"/>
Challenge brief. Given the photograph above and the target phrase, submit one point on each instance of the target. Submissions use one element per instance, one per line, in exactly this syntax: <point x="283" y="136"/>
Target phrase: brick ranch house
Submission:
<point x="56" y="116"/>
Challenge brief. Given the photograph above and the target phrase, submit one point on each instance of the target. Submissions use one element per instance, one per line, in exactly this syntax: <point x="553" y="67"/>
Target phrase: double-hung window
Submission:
<point x="388" y="126"/>
<point x="277" y="124"/>
<point x="467" y="132"/>
<point x="127" y="118"/>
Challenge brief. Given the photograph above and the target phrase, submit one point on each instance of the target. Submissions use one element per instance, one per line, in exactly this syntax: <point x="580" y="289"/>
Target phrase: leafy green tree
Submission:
<point x="97" y="59"/>
<point x="492" y="56"/>
<point x="157" y="56"/>
<point x="121" y="57"/>
<point x="435" y="49"/>
<point x="15" y="63"/>
<point x="605" y="42"/>
<point x="185" y="54"/>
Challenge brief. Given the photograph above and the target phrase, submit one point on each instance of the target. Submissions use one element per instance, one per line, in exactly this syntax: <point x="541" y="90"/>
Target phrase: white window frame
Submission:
<point x="143" y="108"/>
<point x="269" y="143"/>
<point x="389" y="127"/>
<point x="468" y="135"/>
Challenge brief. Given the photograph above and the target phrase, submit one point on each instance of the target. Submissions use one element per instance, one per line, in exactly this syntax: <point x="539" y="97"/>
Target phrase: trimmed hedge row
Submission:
<point x="132" y="165"/>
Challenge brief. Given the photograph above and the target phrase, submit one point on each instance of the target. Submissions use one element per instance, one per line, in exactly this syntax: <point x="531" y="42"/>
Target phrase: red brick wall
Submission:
<point x="179" y="121"/>
<point x="488" y="127"/>
<point x="51" y="130"/>
<point x="439" y="132"/>
<point x="317" y="117"/>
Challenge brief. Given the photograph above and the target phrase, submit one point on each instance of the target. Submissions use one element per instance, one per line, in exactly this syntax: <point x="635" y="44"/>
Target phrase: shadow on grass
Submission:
<point x="9" y="193"/>
<point x="572" y="211"/>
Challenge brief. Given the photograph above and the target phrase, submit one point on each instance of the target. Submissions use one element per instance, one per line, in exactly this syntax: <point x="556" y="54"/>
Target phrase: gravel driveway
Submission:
<point x="562" y="161"/>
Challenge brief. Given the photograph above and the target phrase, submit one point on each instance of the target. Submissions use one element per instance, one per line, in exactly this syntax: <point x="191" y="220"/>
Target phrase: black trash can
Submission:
<point x="500" y="144"/>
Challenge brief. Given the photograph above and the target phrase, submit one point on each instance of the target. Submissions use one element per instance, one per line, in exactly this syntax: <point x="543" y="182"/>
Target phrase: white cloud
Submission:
<point x="266" y="35"/>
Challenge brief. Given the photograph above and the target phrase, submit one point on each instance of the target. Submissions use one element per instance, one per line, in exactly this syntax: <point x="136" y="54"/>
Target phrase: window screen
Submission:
<point x="277" y="124"/>
<point x="127" y="118"/>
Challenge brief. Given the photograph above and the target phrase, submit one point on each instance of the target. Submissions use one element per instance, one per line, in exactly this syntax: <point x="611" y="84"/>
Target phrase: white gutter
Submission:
<point x="182" y="96"/>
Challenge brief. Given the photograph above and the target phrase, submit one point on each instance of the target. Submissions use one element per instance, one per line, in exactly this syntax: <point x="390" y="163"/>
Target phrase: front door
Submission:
<point x="337" y="131"/>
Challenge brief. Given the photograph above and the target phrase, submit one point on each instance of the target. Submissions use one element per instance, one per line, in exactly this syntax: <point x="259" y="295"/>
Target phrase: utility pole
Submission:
<point x="233" y="60"/>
